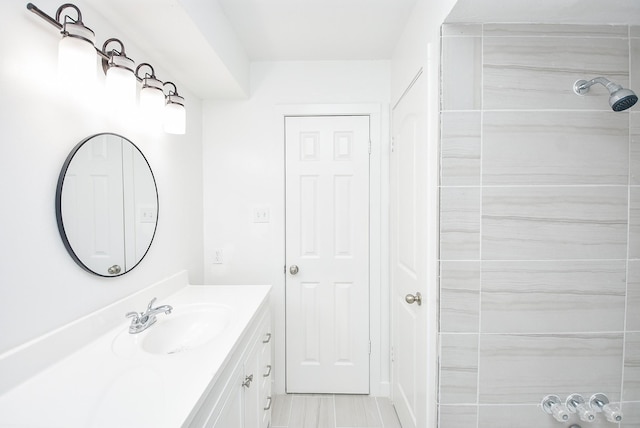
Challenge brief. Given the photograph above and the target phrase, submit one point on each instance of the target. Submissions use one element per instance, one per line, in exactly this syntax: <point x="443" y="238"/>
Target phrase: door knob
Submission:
<point x="293" y="270"/>
<point x="410" y="298"/>
<point x="115" y="269"/>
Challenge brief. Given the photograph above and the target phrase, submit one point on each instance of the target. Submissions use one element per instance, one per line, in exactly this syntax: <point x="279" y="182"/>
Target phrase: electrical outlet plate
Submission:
<point x="261" y="215"/>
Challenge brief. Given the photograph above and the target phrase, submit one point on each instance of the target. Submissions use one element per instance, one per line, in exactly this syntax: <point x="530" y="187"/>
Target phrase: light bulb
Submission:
<point x="152" y="102"/>
<point x="120" y="82"/>
<point x="175" y="115"/>
<point x="77" y="54"/>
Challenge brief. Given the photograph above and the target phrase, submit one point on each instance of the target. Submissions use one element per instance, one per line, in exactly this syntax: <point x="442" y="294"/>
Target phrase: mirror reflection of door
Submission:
<point x="92" y="204"/>
<point x="107" y="205"/>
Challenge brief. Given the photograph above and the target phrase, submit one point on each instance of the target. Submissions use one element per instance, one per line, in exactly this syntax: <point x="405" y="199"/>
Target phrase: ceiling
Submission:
<point x="207" y="45"/>
<point x="281" y="30"/>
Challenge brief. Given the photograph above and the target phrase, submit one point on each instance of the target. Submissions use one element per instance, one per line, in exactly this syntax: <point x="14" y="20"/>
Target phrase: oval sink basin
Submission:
<point x="187" y="327"/>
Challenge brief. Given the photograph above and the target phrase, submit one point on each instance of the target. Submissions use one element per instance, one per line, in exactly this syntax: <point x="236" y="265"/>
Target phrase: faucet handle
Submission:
<point x="150" y="306"/>
<point x="134" y="315"/>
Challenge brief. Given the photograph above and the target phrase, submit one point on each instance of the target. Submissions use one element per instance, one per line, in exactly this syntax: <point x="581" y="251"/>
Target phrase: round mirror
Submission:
<point x="107" y="204"/>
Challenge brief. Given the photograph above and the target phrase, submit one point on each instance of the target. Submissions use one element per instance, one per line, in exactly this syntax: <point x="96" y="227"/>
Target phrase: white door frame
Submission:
<point x="379" y="368"/>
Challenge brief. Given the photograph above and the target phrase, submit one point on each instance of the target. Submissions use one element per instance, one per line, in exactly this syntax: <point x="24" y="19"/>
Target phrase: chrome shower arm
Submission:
<point x="581" y="87"/>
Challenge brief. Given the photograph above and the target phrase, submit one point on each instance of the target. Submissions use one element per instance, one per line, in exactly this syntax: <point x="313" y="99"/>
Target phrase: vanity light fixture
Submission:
<point x="77" y="62"/>
<point x="175" y="117"/>
<point x="120" y="82"/>
<point x="76" y="49"/>
<point x="151" y="94"/>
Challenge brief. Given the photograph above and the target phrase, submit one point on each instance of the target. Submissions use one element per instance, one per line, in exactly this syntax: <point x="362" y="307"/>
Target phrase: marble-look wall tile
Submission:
<point x="634" y="63"/>
<point x="461" y="68"/>
<point x="631" y="383"/>
<point x="554" y="30"/>
<point x="634" y="222"/>
<point x="460" y="223"/>
<point x="558" y="219"/>
<point x="460" y="149"/>
<point x="539" y="72"/>
<point x="553" y="296"/>
<point x="459" y="297"/>
<point x="631" y="415"/>
<point x="521" y="369"/>
<point x="634" y="152"/>
<point x="555" y="148"/>
<point x="458" y="368"/>
<point x="546" y="223"/>
<point x="633" y="295"/>
<point x="528" y="416"/>
<point x="456" y="416"/>
<point x="462" y="30"/>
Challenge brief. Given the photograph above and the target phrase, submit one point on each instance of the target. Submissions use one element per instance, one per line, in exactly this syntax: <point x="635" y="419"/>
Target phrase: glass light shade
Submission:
<point x="175" y="115"/>
<point x="152" y="99"/>
<point x="77" y="54"/>
<point x="120" y="82"/>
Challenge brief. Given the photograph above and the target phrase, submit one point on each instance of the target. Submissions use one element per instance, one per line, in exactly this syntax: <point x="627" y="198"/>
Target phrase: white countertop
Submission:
<point x="97" y="387"/>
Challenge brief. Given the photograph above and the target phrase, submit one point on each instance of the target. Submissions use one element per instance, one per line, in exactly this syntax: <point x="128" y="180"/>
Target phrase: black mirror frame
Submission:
<point x="58" y="205"/>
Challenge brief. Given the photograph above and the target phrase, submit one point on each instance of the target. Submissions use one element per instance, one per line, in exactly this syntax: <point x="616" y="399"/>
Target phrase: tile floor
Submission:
<point x="332" y="411"/>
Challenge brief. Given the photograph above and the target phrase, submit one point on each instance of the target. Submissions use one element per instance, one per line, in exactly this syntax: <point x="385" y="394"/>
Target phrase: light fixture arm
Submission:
<point x="33" y="8"/>
<point x="175" y="89"/>
<point x="152" y="75"/>
<point x="107" y="53"/>
<point x="69" y="6"/>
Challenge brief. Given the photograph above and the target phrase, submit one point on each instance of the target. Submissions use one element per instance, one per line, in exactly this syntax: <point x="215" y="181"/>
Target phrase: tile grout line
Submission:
<point x="626" y="293"/>
<point x="482" y="105"/>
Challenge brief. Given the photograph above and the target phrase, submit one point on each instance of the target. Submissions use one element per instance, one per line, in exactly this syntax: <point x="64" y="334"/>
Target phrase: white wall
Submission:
<point x="41" y="288"/>
<point x="244" y="167"/>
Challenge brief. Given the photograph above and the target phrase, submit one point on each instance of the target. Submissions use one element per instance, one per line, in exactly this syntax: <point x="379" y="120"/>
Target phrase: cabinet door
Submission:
<point x="252" y="402"/>
<point x="232" y="413"/>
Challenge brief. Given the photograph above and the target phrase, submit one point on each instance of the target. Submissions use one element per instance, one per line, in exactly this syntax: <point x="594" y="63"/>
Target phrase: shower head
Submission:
<point x="619" y="98"/>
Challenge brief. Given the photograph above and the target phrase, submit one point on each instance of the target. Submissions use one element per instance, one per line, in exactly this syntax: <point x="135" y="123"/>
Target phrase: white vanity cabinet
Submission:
<point x="89" y="372"/>
<point x="257" y="383"/>
<point x="241" y="396"/>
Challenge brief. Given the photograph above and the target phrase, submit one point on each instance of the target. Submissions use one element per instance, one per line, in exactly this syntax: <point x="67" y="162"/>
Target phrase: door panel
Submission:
<point x="408" y="253"/>
<point x="327" y="239"/>
<point x="95" y="229"/>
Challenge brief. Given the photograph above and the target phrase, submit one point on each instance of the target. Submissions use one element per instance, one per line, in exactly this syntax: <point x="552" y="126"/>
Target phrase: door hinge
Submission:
<point x="392" y="356"/>
<point x="369" y="146"/>
<point x="369" y="347"/>
<point x="393" y="144"/>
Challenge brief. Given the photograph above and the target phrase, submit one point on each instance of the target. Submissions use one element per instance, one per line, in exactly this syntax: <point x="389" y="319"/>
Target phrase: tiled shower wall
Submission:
<point x="540" y="223"/>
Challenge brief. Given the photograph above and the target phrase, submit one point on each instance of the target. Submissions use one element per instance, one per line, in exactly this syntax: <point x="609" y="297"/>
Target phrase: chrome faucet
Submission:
<point x="143" y="320"/>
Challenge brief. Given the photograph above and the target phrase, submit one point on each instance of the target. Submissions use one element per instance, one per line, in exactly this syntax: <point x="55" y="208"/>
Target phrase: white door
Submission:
<point x="327" y="254"/>
<point x="92" y="204"/>
<point x="408" y="252"/>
